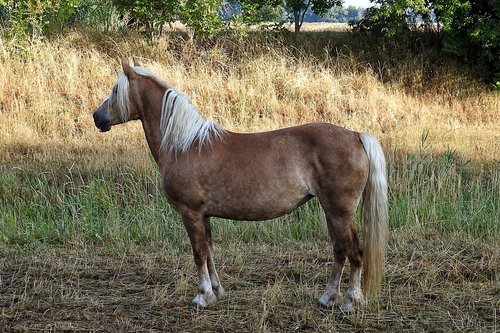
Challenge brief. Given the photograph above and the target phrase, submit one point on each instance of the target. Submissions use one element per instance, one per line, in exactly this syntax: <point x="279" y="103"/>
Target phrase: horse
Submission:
<point x="207" y="171"/>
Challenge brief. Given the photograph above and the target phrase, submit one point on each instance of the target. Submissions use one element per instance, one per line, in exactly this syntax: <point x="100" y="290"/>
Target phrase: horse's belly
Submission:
<point x="261" y="207"/>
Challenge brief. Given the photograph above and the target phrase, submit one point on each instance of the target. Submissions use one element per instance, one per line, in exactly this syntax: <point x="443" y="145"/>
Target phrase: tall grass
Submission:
<point x="49" y="90"/>
<point x="63" y="182"/>
<point x="122" y="207"/>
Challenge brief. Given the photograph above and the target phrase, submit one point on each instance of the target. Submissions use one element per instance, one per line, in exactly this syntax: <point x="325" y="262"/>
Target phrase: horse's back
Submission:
<point x="309" y="159"/>
<point x="318" y="145"/>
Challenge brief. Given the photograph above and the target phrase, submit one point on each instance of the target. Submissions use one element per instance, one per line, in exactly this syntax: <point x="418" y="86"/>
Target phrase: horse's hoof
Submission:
<point x="195" y="306"/>
<point x="202" y="301"/>
<point x="347" y="308"/>
<point x="322" y="306"/>
<point x="219" y="293"/>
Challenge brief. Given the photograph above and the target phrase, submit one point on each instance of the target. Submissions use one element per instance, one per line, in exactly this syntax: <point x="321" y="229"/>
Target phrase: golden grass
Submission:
<point x="49" y="91"/>
<point x="144" y="278"/>
<point x="270" y="288"/>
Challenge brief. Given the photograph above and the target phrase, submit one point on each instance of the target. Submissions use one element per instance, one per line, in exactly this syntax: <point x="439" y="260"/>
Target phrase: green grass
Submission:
<point x="121" y="206"/>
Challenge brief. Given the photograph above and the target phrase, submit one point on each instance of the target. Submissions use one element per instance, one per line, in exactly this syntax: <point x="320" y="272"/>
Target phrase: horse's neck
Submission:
<point x="151" y="123"/>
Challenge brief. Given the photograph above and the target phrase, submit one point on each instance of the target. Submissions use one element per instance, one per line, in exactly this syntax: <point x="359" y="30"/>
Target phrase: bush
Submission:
<point x="151" y="15"/>
<point x="471" y="32"/>
<point x="31" y="19"/>
<point x="470" y="28"/>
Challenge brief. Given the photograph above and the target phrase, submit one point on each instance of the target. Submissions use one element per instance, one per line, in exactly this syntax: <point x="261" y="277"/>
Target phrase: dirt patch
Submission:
<point x="431" y="285"/>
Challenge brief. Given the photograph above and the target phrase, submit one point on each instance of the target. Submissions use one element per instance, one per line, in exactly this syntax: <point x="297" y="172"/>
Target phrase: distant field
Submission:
<point x="322" y="26"/>
<point x="88" y="243"/>
<point x="306" y="26"/>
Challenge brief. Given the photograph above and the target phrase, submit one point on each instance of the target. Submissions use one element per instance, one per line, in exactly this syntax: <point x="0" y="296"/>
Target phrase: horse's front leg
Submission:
<point x="195" y="227"/>
<point x="214" y="277"/>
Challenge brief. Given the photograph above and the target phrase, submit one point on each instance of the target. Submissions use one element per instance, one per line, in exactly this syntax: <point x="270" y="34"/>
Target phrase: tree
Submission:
<point x="471" y="32"/>
<point x="31" y="19"/>
<point x="202" y="17"/>
<point x="151" y="15"/>
<point x="469" y="28"/>
<point x="296" y="9"/>
<point x="337" y="14"/>
<point x="252" y="12"/>
<point x="353" y="13"/>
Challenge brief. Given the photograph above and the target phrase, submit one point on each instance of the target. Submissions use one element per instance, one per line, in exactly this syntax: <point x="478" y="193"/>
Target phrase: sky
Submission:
<point x="358" y="3"/>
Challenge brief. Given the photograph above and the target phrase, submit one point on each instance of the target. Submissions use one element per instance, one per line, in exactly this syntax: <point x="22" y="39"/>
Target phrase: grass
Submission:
<point x="391" y="88"/>
<point x="88" y="242"/>
<point x="445" y="194"/>
<point x="431" y="285"/>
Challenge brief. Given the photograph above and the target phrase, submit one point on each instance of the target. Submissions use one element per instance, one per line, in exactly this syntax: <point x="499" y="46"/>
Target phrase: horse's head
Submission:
<point x="119" y="106"/>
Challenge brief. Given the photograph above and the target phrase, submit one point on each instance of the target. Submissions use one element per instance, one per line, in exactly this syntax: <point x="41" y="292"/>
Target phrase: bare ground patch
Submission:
<point x="431" y="285"/>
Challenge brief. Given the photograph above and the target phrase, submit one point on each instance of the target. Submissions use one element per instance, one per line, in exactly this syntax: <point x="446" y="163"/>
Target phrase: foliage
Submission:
<point x="299" y="8"/>
<point x="296" y="9"/>
<point x="29" y="19"/>
<point x="354" y="14"/>
<point x="202" y="17"/>
<point x="470" y="28"/>
<point x="471" y="32"/>
<point x="393" y="17"/>
<point x="152" y="15"/>
<point x="250" y="12"/>
<point x="99" y="14"/>
<point x="339" y="14"/>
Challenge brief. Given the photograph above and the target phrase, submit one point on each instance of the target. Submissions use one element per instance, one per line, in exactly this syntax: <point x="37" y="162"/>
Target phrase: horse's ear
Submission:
<point x="136" y="63"/>
<point x="127" y="70"/>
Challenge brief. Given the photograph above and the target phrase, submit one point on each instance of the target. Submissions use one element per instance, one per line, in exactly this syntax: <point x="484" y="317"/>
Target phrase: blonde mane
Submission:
<point x="181" y="124"/>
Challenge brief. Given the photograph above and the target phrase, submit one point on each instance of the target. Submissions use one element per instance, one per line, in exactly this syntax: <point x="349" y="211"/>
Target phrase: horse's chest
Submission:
<point x="183" y="190"/>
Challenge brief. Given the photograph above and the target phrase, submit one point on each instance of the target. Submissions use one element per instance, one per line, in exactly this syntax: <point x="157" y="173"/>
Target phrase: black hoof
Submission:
<point x="321" y="306"/>
<point x="194" y="306"/>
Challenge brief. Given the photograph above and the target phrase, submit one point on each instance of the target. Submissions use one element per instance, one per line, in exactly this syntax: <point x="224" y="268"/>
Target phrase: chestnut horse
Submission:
<point x="208" y="171"/>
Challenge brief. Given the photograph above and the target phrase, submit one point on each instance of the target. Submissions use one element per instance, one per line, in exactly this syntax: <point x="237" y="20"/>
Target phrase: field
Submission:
<point x="87" y="242"/>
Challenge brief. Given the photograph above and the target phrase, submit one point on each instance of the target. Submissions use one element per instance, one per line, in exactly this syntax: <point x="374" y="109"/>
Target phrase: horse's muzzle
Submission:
<point x="101" y="120"/>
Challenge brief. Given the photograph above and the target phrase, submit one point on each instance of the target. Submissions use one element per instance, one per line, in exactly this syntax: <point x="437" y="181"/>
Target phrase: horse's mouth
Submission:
<point x="101" y="120"/>
<point x="104" y="128"/>
<point x="102" y="124"/>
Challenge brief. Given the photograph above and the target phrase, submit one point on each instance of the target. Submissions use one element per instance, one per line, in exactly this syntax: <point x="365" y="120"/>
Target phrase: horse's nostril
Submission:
<point x="101" y="120"/>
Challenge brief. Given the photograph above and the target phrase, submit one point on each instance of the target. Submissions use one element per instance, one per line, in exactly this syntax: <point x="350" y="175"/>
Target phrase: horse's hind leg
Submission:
<point x="340" y="222"/>
<point x="195" y="227"/>
<point x="332" y="290"/>
<point x="214" y="277"/>
<point x="354" y="295"/>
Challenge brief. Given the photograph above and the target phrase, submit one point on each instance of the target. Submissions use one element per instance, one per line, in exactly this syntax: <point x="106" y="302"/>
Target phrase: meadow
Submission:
<point x="87" y="241"/>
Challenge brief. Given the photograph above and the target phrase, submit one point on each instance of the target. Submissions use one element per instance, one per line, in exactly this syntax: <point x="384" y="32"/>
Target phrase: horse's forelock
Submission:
<point x="122" y="97"/>
<point x="120" y="92"/>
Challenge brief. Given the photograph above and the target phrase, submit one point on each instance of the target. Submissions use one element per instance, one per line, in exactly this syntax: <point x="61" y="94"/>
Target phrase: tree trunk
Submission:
<point x="296" y="19"/>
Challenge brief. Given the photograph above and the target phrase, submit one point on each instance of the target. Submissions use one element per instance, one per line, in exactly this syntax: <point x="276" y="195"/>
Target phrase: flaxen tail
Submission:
<point x="375" y="216"/>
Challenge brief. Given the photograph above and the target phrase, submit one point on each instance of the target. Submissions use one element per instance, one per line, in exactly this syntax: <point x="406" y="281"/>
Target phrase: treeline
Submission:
<point x="338" y="14"/>
<point x="464" y="28"/>
<point x="204" y="18"/>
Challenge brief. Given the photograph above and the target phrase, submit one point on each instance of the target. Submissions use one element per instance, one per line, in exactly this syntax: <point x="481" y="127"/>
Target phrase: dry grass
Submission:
<point x="271" y="288"/>
<point x="122" y="261"/>
<point x="48" y="92"/>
